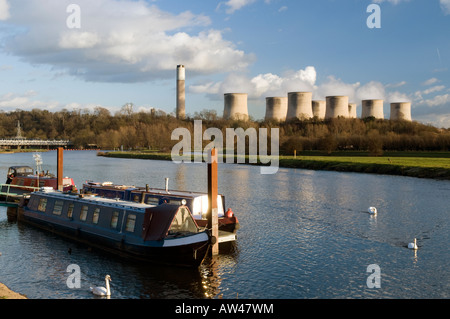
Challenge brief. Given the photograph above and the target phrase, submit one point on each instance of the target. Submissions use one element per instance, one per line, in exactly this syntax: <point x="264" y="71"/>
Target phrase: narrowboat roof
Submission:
<point x="96" y="200"/>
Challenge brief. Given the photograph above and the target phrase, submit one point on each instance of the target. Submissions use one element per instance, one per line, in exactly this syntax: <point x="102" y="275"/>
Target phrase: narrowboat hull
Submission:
<point x="185" y="251"/>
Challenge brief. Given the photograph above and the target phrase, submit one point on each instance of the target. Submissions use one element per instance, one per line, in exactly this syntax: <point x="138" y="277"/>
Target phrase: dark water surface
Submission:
<point x="304" y="234"/>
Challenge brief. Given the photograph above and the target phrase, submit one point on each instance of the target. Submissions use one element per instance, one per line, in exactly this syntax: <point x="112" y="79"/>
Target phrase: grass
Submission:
<point x="416" y="164"/>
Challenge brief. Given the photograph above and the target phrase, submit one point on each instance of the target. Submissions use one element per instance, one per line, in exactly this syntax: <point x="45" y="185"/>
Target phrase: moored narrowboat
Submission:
<point x="165" y="234"/>
<point x="196" y="202"/>
<point x="21" y="179"/>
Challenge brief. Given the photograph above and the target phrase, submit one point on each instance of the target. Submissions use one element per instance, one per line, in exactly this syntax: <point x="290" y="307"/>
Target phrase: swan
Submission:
<point x="413" y="245"/>
<point x="102" y="291"/>
<point x="372" y="210"/>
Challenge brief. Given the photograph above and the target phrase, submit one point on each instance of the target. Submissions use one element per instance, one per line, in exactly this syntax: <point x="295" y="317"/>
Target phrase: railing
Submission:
<point x="16" y="142"/>
<point x="5" y="190"/>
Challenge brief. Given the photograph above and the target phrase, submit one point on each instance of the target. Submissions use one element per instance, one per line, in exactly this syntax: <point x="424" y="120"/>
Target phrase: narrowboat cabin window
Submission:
<point x="33" y="183"/>
<point x="183" y="223"/>
<point x="70" y="210"/>
<point x="114" y="220"/>
<point x="131" y="222"/>
<point x="83" y="214"/>
<point x="42" y="204"/>
<point x="95" y="216"/>
<point x="152" y="200"/>
<point x="41" y="183"/>
<point x="136" y="198"/>
<point x="57" y="209"/>
<point x="20" y="182"/>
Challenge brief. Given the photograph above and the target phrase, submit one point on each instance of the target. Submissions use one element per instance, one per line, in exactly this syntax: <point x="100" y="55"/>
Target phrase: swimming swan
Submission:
<point x="413" y="245"/>
<point x="102" y="291"/>
<point x="372" y="211"/>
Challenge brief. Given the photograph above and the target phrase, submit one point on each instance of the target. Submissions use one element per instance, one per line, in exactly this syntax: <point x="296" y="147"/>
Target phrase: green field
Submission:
<point x="418" y="164"/>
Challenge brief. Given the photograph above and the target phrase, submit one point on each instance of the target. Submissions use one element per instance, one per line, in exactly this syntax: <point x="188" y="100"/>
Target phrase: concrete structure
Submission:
<point x="235" y="106"/>
<point x="319" y="109"/>
<point x="401" y="111"/>
<point x="352" y="110"/>
<point x="276" y="108"/>
<point x="181" y="92"/>
<point x="299" y="105"/>
<point x="336" y="106"/>
<point x="372" y="108"/>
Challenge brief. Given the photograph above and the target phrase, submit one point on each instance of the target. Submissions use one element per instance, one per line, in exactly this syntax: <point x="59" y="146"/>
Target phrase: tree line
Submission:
<point x="153" y="130"/>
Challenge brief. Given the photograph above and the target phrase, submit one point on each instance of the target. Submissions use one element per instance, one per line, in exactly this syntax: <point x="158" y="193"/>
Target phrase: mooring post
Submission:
<point x="213" y="222"/>
<point x="60" y="169"/>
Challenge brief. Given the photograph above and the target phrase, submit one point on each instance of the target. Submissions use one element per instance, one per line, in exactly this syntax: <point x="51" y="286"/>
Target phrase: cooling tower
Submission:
<point x="401" y="111"/>
<point x="318" y="109"/>
<point x="299" y="105"/>
<point x="235" y="106"/>
<point x="181" y="92"/>
<point x="276" y="108"/>
<point x="372" y="108"/>
<point x="352" y="110"/>
<point x="336" y="106"/>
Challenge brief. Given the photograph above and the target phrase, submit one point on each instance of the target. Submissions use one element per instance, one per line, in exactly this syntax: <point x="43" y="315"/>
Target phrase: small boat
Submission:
<point x="164" y="234"/>
<point x="21" y="179"/>
<point x="195" y="201"/>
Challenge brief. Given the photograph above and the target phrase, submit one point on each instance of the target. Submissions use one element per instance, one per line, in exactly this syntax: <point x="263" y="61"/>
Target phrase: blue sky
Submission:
<point x="127" y="51"/>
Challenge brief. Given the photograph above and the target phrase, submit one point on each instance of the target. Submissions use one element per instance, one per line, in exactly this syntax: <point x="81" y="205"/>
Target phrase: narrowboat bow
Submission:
<point x="165" y="234"/>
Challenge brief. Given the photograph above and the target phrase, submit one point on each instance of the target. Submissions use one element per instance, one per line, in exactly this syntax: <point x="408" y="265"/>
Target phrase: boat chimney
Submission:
<point x="167" y="184"/>
<point x="60" y="168"/>
<point x="147" y="188"/>
<point x="213" y="218"/>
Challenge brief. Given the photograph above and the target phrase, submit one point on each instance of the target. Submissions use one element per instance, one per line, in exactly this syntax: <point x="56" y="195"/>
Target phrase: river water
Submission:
<point x="304" y="234"/>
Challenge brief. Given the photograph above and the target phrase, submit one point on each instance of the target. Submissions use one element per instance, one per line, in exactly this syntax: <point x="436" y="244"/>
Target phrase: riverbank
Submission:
<point x="6" y="293"/>
<point x="435" y="165"/>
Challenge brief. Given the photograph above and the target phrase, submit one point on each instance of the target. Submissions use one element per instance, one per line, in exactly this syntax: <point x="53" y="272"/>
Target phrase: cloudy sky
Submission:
<point x="79" y="54"/>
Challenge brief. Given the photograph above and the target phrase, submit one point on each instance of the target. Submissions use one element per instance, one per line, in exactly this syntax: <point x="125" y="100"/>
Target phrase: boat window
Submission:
<point x="95" y="216"/>
<point x="83" y="214"/>
<point x="70" y="210"/>
<point x="131" y="222"/>
<point x="32" y="183"/>
<point x="41" y="183"/>
<point x="175" y="202"/>
<point x="20" y="182"/>
<point x="57" y="209"/>
<point x="152" y="200"/>
<point x="183" y="222"/>
<point x="42" y="204"/>
<point x="114" y="220"/>
<point x="136" y="198"/>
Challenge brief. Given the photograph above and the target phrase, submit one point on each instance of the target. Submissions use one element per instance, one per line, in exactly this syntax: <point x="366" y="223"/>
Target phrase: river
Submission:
<point x="304" y="234"/>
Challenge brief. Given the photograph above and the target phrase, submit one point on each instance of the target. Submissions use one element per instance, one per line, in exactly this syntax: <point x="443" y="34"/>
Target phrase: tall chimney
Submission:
<point x="181" y="92"/>
<point x="59" y="169"/>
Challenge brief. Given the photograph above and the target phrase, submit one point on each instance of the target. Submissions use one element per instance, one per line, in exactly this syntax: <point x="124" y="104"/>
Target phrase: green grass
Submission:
<point x="417" y="164"/>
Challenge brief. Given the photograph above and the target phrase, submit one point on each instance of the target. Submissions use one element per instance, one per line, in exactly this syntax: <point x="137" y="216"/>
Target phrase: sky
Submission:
<point x="81" y="54"/>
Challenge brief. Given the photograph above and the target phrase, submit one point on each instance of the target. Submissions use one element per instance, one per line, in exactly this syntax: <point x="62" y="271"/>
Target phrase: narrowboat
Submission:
<point x="21" y="179"/>
<point x="164" y="234"/>
<point x="197" y="202"/>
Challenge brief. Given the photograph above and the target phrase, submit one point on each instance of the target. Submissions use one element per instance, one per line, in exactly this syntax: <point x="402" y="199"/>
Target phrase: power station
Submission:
<point x="276" y="108"/>
<point x="297" y="105"/>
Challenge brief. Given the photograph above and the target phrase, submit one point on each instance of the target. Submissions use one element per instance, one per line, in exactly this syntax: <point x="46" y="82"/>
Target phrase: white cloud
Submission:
<point x="234" y="5"/>
<point x="445" y="6"/>
<point x="390" y="1"/>
<point x="4" y="10"/>
<point x="430" y="81"/>
<point x="119" y="41"/>
<point x="334" y="86"/>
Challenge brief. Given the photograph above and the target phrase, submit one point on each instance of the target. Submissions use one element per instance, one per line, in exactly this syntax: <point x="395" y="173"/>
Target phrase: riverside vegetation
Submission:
<point x="368" y="145"/>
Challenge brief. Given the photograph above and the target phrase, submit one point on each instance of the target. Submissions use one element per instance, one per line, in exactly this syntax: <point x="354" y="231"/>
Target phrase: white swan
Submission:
<point x="102" y="291"/>
<point x="413" y="245"/>
<point x="372" y="211"/>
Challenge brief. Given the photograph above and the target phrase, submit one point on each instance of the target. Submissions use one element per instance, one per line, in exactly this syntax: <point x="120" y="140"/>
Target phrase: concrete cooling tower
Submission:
<point x="401" y="111"/>
<point x="352" y="110"/>
<point x="372" y="108"/>
<point x="336" y="106"/>
<point x="235" y="107"/>
<point x="276" y="108"/>
<point x="181" y="92"/>
<point x="318" y="109"/>
<point x="299" y="105"/>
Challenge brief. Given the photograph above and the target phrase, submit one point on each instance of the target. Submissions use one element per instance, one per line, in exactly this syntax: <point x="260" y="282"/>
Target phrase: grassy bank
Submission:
<point x="418" y="164"/>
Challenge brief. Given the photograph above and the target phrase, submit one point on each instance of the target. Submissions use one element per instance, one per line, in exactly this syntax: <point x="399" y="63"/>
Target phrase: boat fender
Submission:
<point x="212" y="240"/>
<point x="229" y="213"/>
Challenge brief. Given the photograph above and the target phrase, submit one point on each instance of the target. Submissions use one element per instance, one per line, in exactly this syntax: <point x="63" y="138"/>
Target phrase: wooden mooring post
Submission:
<point x="60" y="168"/>
<point x="213" y="219"/>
